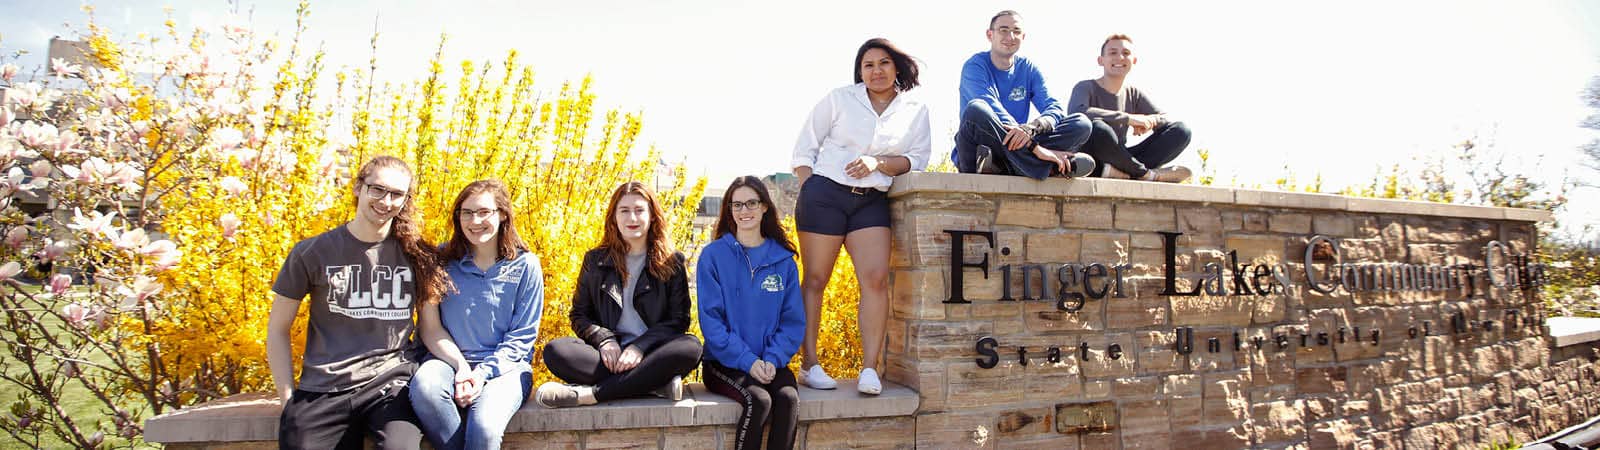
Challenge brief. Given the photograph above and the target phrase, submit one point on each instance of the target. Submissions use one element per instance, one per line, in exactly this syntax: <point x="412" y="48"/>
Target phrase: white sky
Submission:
<point x="1337" y="88"/>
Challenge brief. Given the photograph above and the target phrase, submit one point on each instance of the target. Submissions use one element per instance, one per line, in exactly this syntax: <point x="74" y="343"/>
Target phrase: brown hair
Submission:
<point x="1000" y="14"/>
<point x="905" y="67"/>
<point x="658" y="249"/>
<point x="431" y="282"/>
<point x="1114" y="37"/>
<point x="770" y="228"/>
<point x="508" y="243"/>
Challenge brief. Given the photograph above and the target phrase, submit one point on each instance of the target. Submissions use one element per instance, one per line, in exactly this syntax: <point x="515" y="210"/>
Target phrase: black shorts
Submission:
<point x="827" y="207"/>
<point x="342" y="420"/>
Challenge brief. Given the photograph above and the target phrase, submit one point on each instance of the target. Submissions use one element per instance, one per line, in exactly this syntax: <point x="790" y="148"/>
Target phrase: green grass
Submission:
<point x="85" y="410"/>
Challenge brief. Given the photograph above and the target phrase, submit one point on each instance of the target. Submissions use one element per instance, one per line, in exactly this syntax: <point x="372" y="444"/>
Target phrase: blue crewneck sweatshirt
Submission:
<point x="1008" y="92"/>
<point x="493" y="315"/>
<point x="750" y="306"/>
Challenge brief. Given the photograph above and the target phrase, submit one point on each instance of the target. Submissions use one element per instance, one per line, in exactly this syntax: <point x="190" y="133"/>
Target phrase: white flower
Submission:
<point x="9" y="270"/>
<point x="60" y="283"/>
<point x="37" y="134"/>
<point x="7" y="72"/>
<point x="133" y="239"/>
<point x="232" y="185"/>
<point x="17" y="236"/>
<point x="137" y="292"/>
<point x="62" y="68"/>
<point x="230" y="224"/>
<point x="94" y="223"/>
<point x="227" y="139"/>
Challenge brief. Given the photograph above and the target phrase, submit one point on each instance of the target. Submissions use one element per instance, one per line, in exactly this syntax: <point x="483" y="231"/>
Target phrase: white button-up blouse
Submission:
<point x="843" y="127"/>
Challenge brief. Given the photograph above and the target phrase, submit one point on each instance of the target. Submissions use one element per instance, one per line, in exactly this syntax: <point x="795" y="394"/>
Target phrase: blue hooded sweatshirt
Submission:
<point x="750" y="305"/>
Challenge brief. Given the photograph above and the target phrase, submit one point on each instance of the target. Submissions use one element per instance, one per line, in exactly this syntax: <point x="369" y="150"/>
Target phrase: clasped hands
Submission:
<point x="763" y="371"/>
<point x="618" y="359"/>
<point x="469" y="383"/>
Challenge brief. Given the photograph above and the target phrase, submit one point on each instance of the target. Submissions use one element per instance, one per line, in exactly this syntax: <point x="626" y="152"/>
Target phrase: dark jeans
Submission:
<point x="981" y="126"/>
<point x="576" y="362"/>
<point x="777" y="402"/>
<point x="1165" y="143"/>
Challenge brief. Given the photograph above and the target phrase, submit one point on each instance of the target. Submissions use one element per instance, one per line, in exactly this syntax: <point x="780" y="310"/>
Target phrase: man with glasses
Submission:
<point x="362" y="280"/>
<point x="997" y="87"/>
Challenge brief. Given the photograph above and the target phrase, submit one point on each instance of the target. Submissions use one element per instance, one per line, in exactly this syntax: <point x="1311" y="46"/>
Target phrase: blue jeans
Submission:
<point x="981" y="126"/>
<point x="432" y="393"/>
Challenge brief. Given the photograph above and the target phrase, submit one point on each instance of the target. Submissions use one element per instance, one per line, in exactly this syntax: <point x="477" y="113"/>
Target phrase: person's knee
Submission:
<point x="976" y="106"/>
<point x="684" y="352"/>
<point x="484" y="432"/>
<point x="874" y="279"/>
<point x="760" y="402"/>
<point x="814" y="283"/>
<point x="1181" y="129"/>
<point x="433" y="379"/>
<point x="787" y="395"/>
<point x="1099" y="129"/>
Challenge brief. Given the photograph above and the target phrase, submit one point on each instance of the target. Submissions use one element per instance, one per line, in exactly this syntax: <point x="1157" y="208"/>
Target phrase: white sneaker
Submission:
<point x="817" y="378"/>
<point x="868" y="383"/>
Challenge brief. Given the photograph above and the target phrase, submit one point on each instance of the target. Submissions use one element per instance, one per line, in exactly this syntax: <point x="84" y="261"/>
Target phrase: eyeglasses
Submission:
<point x="476" y="213"/>
<point x="381" y="193"/>
<point x="749" y="205"/>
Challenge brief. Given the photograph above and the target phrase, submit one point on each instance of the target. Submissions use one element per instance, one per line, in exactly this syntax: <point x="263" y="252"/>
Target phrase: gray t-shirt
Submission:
<point x="361" y="308"/>
<point x="1112" y="108"/>
<point x="631" y="325"/>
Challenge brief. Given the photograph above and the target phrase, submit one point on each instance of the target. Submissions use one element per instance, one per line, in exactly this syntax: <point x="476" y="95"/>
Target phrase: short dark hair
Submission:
<point x="905" y="67"/>
<point x="1000" y="14"/>
<point x="1114" y="37"/>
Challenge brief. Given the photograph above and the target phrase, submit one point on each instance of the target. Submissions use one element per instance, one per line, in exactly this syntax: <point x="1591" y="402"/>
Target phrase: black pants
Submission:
<point x="576" y="362"/>
<point x="341" y="420"/>
<point x="1165" y="143"/>
<point x="777" y="402"/>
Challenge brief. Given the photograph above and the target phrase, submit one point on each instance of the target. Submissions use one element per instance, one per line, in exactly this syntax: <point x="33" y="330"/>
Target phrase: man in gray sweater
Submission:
<point x="1115" y="108"/>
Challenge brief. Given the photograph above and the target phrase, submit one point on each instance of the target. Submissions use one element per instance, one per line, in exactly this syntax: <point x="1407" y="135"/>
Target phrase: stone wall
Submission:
<point x="1451" y="367"/>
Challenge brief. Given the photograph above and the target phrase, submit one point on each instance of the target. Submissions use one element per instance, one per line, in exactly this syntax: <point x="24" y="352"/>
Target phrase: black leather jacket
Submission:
<point x="663" y="305"/>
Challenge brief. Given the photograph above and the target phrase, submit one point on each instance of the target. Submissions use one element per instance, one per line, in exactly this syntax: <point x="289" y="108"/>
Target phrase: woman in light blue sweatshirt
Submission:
<point x="751" y="314"/>
<point x="481" y="336"/>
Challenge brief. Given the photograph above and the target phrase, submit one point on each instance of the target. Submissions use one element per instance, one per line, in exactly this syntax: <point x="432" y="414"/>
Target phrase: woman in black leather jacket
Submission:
<point x="630" y="313"/>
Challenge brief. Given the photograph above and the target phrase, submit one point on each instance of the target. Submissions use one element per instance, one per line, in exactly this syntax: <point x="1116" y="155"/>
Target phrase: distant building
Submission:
<point x="785" y="191"/>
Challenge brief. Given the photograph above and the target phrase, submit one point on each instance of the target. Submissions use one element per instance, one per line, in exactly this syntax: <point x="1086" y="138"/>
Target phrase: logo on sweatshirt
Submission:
<point x="772" y="284"/>
<point x="1018" y="94"/>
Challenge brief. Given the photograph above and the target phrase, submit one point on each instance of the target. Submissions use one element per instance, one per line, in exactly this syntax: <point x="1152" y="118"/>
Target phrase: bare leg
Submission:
<point x="869" y="251"/>
<point x="817" y="253"/>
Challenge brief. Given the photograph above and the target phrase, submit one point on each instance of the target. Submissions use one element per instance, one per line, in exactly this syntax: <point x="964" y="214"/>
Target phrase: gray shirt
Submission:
<point x="631" y="325"/>
<point x="361" y="307"/>
<point x="1112" y="108"/>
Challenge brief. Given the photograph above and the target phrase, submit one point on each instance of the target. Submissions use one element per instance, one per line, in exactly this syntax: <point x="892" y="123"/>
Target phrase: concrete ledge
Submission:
<point x="254" y="417"/>
<point x="1573" y="330"/>
<point x="1141" y="190"/>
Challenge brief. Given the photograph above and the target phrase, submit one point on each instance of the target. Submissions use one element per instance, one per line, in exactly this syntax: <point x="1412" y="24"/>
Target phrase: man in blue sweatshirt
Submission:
<point x="997" y="87"/>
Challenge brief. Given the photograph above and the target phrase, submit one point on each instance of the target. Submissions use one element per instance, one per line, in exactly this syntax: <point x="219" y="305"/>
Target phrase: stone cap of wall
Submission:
<point x="1574" y="330"/>
<point x="1142" y="190"/>
<point x="254" y="417"/>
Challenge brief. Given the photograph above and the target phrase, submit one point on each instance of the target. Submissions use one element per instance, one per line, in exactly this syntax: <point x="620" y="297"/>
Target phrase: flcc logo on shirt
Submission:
<point x="772" y="284"/>
<point x="381" y="294"/>
<point x="1018" y="94"/>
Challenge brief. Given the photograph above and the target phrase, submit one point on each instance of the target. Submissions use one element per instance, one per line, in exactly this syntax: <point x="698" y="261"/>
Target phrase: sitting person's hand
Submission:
<point x="762" y="371"/>
<point x="862" y="166"/>
<point x="610" y="352"/>
<point x="468" y="385"/>
<point x="1140" y="124"/>
<point x="630" y="358"/>
<point x="1017" y="136"/>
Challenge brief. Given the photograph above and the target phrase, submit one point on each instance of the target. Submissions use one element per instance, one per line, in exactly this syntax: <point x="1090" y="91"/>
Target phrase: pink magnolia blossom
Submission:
<point x="232" y="185"/>
<point x="134" y="239"/>
<point x="227" y="139"/>
<point x="40" y="168"/>
<point x="76" y="314"/>
<point x="9" y="270"/>
<point x="94" y="223"/>
<point x="54" y="250"/>
<point x="158" y="248"/>
<point x="7" y="72"/>
<point x="230" y="224"/>
<point x="136" y="293"/>
<point x="16" y="236"/>
<point x="168" y="260"/>
<point x="60" y="283"/>
<point x="62" y="68"/>
<point x="117" y="98"/>
<point x="67" y="141"/>
<point x="6" y="116"/>
<point x="36" y="134"/>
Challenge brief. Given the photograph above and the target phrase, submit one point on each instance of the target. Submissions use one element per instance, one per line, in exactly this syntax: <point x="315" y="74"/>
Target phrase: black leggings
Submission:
<point x="1163" y="145"/>
<point x="778" y="401"/>
<point x="576" y="362"/>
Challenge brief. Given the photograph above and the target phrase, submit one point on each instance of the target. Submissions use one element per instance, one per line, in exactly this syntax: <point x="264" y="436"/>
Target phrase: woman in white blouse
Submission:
<point x="855" y="141"/>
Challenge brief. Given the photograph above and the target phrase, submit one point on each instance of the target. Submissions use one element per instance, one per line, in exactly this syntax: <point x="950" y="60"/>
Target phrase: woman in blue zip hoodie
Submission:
<point x="481" y="336"/>
<point x="751" y="314"/>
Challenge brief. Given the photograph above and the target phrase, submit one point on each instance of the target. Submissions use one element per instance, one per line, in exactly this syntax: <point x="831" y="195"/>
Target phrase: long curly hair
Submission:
<point x="658" y="249"/>
<point x="431" y="281"/>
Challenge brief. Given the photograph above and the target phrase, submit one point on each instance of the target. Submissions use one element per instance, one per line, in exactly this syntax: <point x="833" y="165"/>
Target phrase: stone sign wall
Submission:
<point x="1112" y="314"/>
